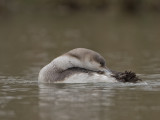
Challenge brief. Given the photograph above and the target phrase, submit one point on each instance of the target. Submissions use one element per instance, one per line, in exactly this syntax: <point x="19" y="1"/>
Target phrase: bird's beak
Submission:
<point x="108" y="71"/>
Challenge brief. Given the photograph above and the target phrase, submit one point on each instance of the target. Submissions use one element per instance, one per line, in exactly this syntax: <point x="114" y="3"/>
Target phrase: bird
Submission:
<point x="81" y="65"/>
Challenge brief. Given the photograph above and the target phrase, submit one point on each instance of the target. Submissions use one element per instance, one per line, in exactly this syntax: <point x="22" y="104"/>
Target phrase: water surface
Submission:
<point x="28" y="42"/>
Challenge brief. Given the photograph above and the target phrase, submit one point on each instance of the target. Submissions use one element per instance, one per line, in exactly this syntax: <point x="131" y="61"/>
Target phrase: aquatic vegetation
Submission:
<point x="127" y="76"/>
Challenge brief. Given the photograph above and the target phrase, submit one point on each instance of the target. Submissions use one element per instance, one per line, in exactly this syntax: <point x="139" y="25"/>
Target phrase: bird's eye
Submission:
<point x="102" y="64"/>
<point x="99" y="60"/>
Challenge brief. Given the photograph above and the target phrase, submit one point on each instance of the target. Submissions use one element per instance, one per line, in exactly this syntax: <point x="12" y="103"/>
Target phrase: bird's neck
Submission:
<point x="65" y="62"/>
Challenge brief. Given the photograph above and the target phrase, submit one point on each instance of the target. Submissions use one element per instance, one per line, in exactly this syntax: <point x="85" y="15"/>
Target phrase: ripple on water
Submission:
<point x="54" y="100"/>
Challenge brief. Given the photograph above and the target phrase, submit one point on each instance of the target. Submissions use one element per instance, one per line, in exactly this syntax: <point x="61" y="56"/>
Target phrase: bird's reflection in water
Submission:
<point x="74" y="101"/>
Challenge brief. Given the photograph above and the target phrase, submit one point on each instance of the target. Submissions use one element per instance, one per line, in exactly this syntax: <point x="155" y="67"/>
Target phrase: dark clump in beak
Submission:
<point x="127" y="76"/>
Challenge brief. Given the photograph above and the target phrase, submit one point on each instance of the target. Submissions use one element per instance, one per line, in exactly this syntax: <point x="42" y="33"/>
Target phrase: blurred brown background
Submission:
<point x="33" y="32"/>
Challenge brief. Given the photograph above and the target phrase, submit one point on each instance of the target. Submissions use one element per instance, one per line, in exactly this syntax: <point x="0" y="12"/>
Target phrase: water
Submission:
<point x="28" y="42"/>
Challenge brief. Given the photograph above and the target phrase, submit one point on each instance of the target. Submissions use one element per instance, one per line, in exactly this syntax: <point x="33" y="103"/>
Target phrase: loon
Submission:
<point x="81" y="65"/>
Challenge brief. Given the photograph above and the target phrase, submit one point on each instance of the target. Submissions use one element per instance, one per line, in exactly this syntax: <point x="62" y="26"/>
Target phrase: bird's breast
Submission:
<point x="87" y="78"/>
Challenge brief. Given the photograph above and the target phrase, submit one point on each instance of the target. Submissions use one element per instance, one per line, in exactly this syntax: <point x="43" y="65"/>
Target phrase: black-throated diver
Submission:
<point x="79" y="65"/>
